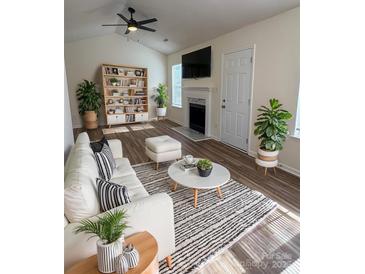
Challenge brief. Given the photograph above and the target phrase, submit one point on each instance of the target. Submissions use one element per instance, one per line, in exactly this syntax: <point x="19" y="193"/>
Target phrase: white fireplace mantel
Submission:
<point x="198" y="93"/>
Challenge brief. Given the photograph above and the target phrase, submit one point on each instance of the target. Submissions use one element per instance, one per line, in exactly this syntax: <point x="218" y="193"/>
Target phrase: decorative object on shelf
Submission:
<point x="121" y="264"/>
<point x="110" y="230"/>
<point x="272" y="129"/>
<point x="161" y="99"/>
<point x="110" y="101"/>
<point x="130" y="73"/>
<point x="119" y="110"/>
<point x="204" y="167"/>
<point x="111" y="111"/>
<point x="121" y="101"/>
<point x="142" y="73"/>
<point x="132" y="255"/>
<point x="121" y="71"/>
<point x="137" y="72"/>
<point x="114" y="81"/>
<point x="90" y="103"/>
<point x="115" y="71"/>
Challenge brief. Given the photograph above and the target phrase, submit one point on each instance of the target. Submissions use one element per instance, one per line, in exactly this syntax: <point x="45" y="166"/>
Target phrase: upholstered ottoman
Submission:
<point x="162" y="149"/>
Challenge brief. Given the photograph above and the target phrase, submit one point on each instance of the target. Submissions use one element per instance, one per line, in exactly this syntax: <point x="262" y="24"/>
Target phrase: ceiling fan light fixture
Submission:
<point x="132" y="28"/>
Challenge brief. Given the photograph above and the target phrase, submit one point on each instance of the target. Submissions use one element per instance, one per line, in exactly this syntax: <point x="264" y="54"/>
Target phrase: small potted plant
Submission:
<point x="90" y="103"/>
<point x="204" y="167"/>
<point x="272" y="129"/>
<point x="113" y="81"/>
<point x="161" y="99"/>
<point x="110" y="230"/>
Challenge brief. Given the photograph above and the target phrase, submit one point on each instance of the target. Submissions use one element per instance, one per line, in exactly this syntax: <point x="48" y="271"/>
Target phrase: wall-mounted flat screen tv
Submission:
<point x="196" y="64"/>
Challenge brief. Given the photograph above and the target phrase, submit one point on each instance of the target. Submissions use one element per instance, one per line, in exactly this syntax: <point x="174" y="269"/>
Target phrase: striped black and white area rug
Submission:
<point x="204" y="232"/>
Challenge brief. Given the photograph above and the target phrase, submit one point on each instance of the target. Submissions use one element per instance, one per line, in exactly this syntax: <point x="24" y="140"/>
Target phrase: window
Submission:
<point x="176" y="85"/>
<point x="297" y="120"/>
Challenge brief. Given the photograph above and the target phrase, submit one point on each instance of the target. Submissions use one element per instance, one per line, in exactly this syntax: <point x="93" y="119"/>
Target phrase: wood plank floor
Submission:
<point x="272" y="246"/>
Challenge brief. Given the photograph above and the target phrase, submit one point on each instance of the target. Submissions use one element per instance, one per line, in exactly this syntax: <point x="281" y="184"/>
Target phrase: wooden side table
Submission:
<point x="147" y="247"/>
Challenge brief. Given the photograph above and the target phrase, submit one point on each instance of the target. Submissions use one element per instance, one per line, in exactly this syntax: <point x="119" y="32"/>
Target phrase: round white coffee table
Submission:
<point x="191" y="179"/>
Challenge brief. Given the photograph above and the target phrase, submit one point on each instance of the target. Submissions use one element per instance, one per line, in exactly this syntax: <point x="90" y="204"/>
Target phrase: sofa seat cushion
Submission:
<point x="123" y="168"/>
<point x="135" y="188"/>
<point x="162" y="143"/>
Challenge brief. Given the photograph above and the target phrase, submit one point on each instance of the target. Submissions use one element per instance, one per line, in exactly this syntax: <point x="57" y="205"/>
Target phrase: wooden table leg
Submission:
<point x="169" y="261"/>
<point x="274" y="170"/>
<point x="174" y="186"/>
<point x="265" y="171"/>
<point x="156" y="166"/>
<point x="195" y="197"/>
<point x="219" y="192"/>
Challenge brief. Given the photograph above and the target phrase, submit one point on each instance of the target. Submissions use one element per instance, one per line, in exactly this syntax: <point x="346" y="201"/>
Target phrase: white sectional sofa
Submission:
<point x="153" y="213"/>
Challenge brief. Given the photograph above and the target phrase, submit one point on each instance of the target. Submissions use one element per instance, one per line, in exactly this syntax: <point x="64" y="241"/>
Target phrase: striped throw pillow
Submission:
<point x="105" y="162"/>
<point x="111" y="195"/>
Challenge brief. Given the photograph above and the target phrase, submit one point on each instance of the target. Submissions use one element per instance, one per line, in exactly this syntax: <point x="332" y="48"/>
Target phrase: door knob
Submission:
<point x="223" y="106"/>
<point x="224" y="100"/>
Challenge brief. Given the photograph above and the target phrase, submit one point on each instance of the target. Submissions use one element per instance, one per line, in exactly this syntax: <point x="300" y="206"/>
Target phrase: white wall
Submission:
<point x="67" y="121"/>
<point x="84" y="57"/>
<point x="276" y="73"/>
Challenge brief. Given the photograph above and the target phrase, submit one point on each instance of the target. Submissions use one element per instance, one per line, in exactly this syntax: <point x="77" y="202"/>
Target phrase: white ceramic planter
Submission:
<point x="161" y="112"/>
<point x="107" y="255"/>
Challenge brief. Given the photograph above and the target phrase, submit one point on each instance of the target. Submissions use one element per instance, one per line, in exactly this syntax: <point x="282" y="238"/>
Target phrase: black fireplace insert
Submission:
<point x="197" y="117"/>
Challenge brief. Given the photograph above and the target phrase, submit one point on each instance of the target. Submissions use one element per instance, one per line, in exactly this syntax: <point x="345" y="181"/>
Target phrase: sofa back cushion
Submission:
<point x="80" y="192"/>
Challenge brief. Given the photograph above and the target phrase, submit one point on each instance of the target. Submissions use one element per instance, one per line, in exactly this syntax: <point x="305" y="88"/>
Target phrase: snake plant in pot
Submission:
<point x="90" y="103"/>
<point x="110" y="230"/>
<point x="272" y="128"/>
<point x="161" y="99"/>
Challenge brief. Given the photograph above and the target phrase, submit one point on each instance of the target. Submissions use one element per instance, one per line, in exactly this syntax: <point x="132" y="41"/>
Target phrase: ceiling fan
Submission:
<point x="133" y="25"/>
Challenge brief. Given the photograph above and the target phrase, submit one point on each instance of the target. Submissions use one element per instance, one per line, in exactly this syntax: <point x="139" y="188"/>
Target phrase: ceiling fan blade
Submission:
<point x="145" y="28"/>
<point x="147" y="21"/>
<point x="123" y="17"/>
<point x="127" y="31"/>
<point x="112" y="25"/>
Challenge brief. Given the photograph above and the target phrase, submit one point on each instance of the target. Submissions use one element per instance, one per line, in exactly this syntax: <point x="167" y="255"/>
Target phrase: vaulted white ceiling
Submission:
<point x="183" y="22"/>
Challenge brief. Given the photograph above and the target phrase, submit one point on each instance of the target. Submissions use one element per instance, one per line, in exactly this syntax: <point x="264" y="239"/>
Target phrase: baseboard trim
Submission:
<point x="175" y="121"/>
<point x="282" y="166"/>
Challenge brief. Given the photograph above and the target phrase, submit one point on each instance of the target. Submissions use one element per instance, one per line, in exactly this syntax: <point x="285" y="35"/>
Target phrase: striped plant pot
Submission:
<point x="121" y="264"/>
<point x="132" y="256"/>
<point x="107" y="255"/>
<point x="266" y="155"/>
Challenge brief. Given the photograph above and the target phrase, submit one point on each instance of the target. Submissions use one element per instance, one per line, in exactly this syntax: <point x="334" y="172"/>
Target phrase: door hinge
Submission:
<point x="249" y="102"/>
<point x="251" y="59"/>
<point x="246" y="141"/>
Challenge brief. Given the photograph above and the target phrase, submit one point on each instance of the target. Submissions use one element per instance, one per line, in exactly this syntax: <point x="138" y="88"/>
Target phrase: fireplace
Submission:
<point x="197" y="117"/>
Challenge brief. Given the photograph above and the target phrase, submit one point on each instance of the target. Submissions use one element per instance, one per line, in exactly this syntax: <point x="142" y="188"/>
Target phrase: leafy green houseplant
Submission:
<point x="110" y="229"/>
<point x="161" y="99"/>
<point x="90" y="103"/>
<point x="271" y="126"/>
<point x="205" y="167"/>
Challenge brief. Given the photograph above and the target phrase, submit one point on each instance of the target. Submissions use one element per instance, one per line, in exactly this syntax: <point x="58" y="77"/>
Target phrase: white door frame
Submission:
<point x="225" y="52"/>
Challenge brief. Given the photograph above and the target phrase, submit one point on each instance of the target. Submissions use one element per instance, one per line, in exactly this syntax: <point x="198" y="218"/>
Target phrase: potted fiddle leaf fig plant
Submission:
<point x="272" y="128"/>
<point x="90" y="103"/>
<point x="110" y="230"/>
<point x="161" y="99"/>
<point x="205" y="167"/>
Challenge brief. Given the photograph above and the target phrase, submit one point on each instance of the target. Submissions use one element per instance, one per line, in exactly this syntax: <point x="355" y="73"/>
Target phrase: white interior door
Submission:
<point x="237" y="72"/>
